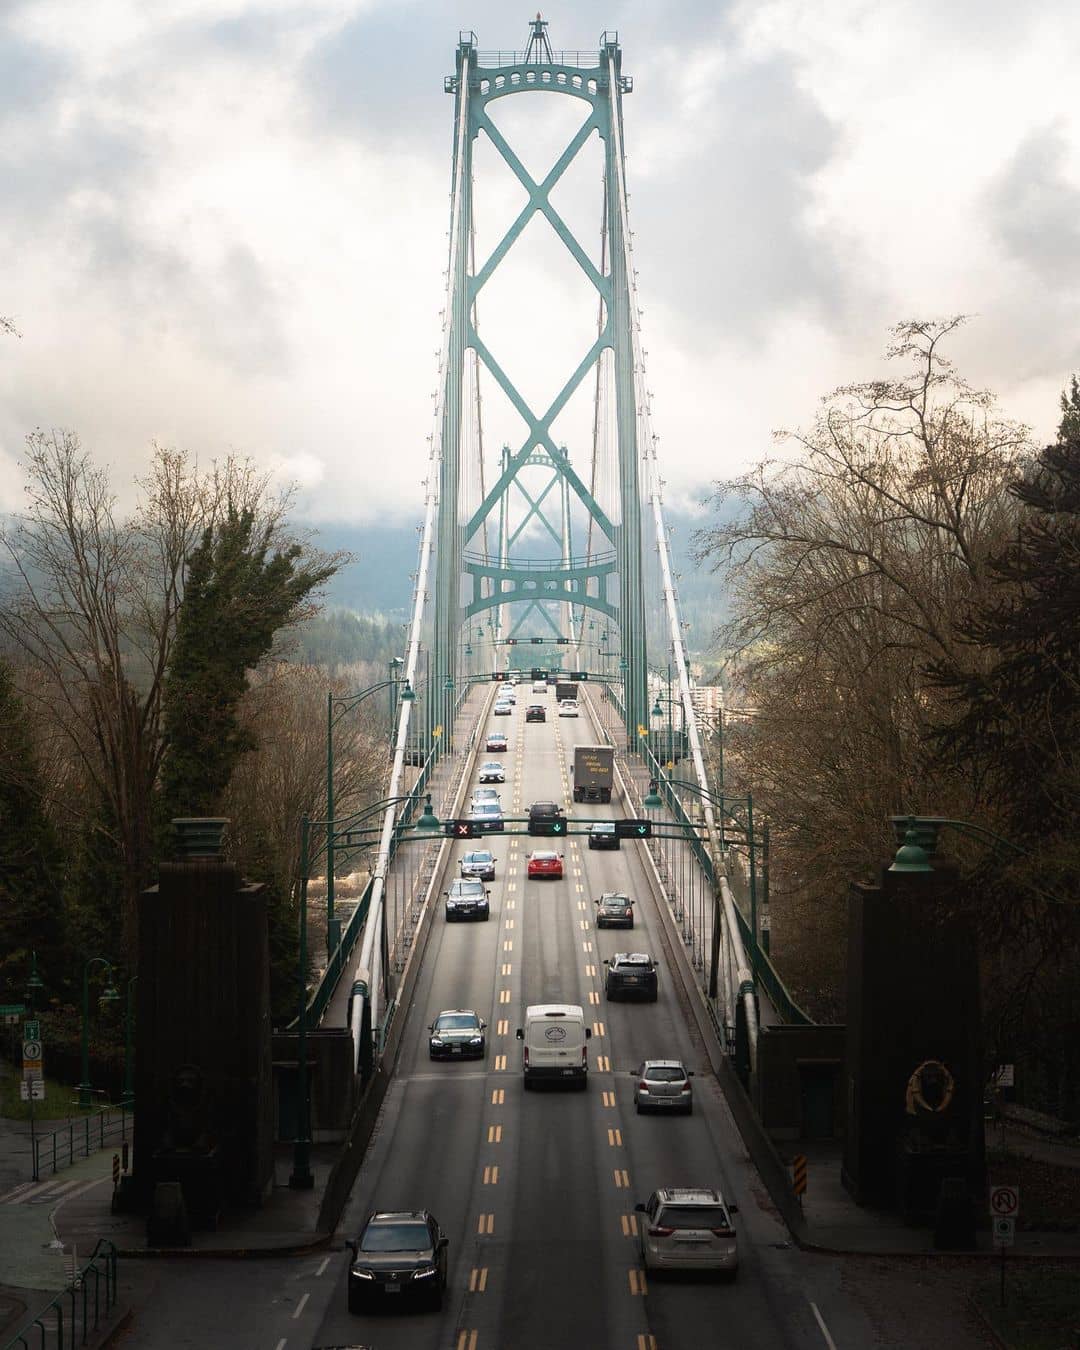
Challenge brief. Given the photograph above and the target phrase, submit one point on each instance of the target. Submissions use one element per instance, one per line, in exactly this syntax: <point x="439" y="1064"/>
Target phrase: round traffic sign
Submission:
<point x="1005" y="1201"/>
<point x="31" y="1050"/>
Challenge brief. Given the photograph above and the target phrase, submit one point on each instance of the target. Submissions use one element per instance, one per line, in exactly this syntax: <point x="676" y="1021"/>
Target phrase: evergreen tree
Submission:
<point x="242" y="588"/>
<point x="31" y="910"/>
<point x="1018" y="720"/>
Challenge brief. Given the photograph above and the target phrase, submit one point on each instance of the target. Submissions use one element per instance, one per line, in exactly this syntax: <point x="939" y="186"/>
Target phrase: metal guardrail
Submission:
<point x="75" y="1313"/>
<point x="79" y="1138"/>
<point x="764" y="971"/>
<point x="350" y="934"/>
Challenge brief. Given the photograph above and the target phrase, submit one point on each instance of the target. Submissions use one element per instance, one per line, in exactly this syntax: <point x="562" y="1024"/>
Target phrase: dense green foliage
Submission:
<point x="338" y="637"/>
<point x="240" y="591"/>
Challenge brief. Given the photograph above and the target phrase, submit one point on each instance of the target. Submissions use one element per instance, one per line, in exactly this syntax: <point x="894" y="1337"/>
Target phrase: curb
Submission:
<point x="296" y="1248"/>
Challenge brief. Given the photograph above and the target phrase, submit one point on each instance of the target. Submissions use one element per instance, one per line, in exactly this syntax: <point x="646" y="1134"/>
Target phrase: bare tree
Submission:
<point x="92" y="615"/>
<point x="849" y="566"/>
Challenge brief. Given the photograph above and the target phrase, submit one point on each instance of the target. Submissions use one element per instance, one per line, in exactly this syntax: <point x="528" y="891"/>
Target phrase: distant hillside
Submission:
<point x="378" y="581"/>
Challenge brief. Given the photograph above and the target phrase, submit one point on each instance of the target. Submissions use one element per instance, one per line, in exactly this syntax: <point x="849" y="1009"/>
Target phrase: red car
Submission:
<point x="545" y="864"/>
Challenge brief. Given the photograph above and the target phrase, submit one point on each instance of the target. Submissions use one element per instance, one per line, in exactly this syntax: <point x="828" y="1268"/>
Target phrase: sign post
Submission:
<point x="1004" y="1207"/>
<point x="33" y="1079"/>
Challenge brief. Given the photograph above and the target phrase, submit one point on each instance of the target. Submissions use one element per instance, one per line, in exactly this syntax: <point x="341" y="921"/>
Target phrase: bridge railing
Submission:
<point x="765" y="973"/>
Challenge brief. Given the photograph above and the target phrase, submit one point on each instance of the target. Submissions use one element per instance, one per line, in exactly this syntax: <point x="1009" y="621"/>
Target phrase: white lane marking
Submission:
<point x="322" y="1268"/>
<point x="280" y="1345"/>
<point x="824" y="1329"/>
<point x="300" y="1308"/>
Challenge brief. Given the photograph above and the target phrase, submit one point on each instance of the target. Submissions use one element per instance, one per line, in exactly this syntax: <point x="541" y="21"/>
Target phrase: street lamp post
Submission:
<point x="109" y="995"/>
<point x="345" y="703"/>
<point x="652" y="801"/>
<point x="301" y="1177"/>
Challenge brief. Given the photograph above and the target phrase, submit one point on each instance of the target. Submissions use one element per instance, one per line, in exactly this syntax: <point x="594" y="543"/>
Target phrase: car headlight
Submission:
<point x="425" y="1274"/>
<point x="476" y="1040"/>
<point x="362" y="1274"/>
<point x="437" y="1040"/>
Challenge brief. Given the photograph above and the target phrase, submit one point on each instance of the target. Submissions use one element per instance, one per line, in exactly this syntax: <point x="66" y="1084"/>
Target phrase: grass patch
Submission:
<point x="1042" y="1306"/>
<point x="61" y="1100"/>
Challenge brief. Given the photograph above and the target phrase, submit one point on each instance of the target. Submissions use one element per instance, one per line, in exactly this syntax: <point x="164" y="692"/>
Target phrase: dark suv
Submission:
<point x="631" y="974"/>
<point x="536" y="712"/>
<point x="399" y="1254"/>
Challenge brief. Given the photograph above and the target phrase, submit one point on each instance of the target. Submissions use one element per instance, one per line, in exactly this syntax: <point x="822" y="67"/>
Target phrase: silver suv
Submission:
<point x="664" y="1085"/>
<point x="688" y="1229"/>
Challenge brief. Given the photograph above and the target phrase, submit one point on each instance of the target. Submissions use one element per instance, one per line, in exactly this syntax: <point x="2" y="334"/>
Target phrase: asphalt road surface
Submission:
<point x="537" y="1190"/>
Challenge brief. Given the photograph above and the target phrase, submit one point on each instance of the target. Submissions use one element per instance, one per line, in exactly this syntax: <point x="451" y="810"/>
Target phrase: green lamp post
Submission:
<point x="109" y="995"/>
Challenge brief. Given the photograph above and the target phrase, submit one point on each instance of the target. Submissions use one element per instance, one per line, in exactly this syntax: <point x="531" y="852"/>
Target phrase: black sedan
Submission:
<point x="631" y="975"/>
<point x="467" y="899"/>
<point x="400" y="1254"/>
<point x="457" y="1033"/>
<point x="614" y="910"/>
<point x="602" y="834"/>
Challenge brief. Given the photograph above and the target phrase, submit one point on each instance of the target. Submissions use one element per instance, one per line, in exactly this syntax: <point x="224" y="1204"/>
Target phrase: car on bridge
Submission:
<point x="502" y="709"/>
<point x="568" y="708"/>
<point x="467" y="898"/>
<point x="497" y="742"/>
<point x="603" y="834"/>
<point x="487" y="817"/>
<point x="478" y="864"/>
<point x="399" y="1255"/>
<point x="544" y="863"/>
<point x="684" y="1228"/>
<point x="491" y="771"/>
<point x="536" y="712"/>
<point x="664" y="1085"/>
<point x="485" y="794"/>
<point x="614" y="910"/>
<point x="457" y="1033"/>
<point x="631" y="975"/>
<point x="540" y="687"/>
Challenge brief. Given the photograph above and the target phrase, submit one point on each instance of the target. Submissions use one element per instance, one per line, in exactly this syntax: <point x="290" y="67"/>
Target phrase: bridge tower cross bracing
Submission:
<point x="609" y="577"/>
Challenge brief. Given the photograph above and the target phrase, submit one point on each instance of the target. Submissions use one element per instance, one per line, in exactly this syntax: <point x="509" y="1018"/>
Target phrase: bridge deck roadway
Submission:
<point x="536" y="1191"/>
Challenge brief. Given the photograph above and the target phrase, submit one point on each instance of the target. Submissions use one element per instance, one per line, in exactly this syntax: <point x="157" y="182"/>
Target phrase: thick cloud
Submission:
<point x="1034" y="207"/>
<point x="229" y="219"/>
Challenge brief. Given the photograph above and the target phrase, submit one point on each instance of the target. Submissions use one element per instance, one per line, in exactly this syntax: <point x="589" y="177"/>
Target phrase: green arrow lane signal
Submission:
<point x="641" y="829"/>
<point x="557" y="827"/>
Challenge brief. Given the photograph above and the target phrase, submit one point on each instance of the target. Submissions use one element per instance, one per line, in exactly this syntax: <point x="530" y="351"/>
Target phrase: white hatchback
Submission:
<point x="688" y="1229"/>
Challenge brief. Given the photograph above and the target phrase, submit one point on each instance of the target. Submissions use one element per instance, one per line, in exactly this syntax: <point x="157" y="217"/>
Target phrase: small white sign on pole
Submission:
<point x="1004" y="1231"/>
<point x="1004" y="1202"/>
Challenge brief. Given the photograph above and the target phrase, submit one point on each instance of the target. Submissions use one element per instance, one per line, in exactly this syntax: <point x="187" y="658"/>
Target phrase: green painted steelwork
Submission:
<point x="610" y="579"/>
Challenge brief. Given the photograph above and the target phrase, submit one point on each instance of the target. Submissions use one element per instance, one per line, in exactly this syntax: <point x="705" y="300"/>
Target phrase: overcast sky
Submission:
<point x="223" y="222"/>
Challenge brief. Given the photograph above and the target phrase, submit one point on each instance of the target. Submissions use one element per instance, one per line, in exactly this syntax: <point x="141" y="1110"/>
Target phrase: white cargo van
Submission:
<point x="554" y="1037"/>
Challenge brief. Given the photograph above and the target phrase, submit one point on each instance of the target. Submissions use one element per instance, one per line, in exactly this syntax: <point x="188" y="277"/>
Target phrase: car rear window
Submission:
<point x="664" y="1075"/>
<point x="693" y="1216"/>
<point x="396" y="1237"/>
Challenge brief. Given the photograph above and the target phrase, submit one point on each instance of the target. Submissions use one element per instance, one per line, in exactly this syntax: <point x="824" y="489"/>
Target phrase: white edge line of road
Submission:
<point x="821" y="1323"/>
<point x="303" y="1302"/>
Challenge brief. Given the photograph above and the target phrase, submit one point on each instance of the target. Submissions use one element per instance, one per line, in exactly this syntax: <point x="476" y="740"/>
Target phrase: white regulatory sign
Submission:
<point x="1004" y="1202"/>
<point x="1004" y="1231"/>
<point x="31" y="1050"/>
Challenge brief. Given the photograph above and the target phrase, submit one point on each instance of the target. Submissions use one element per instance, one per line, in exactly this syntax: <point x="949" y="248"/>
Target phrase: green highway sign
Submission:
<point x="12" y="1009"/>
<point x="32" y="1030"/>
